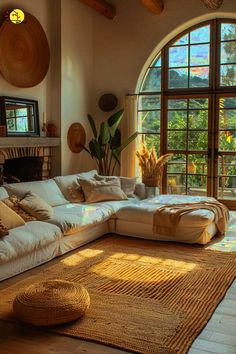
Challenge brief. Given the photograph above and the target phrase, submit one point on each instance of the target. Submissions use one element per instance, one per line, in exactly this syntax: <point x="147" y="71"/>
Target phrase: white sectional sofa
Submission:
<point x="75" y="224"/>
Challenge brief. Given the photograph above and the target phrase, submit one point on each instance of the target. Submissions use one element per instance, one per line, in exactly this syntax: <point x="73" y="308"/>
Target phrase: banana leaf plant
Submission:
<point x="105" y="147"/>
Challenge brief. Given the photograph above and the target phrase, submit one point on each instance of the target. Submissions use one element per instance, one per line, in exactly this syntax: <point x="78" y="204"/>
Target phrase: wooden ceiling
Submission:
<point x="102" y="6"/>
<point x="155" y="6"/>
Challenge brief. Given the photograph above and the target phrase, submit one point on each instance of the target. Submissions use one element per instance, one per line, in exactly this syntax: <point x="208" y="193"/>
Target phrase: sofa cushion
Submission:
<point x="3" y="193"/>
<point x="47" y="190"/>
<point x="9" y="218"/>
<point x="143" y="211"/>
<point x="107" y="188"/>
<point x="36" y="206"/>
<point x="27" y="239"/>
<point x="72" y="218"/>
<point x="70" y="187"/>
<point x="87" y="175"/>
<point x="3" y="229"/>
<point x="13" y="203"/>
<point x="128" y="184"/>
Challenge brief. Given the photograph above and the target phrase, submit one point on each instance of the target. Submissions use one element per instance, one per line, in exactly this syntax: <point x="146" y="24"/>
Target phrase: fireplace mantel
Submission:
<point x="12" y="142"/>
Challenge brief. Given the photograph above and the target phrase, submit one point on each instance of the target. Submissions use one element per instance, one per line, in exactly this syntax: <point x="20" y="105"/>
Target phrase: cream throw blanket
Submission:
<point x="167" y="218"/>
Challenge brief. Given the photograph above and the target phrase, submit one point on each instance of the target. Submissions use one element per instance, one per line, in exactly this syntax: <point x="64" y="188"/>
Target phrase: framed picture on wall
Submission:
<point x="20" y="116"/>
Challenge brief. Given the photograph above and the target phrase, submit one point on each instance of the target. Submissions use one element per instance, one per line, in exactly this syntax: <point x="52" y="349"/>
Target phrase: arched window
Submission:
<point x="187" y="106"/>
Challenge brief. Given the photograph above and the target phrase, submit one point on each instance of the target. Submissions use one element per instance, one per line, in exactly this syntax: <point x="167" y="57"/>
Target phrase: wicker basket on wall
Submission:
<point x="213" y="4"/>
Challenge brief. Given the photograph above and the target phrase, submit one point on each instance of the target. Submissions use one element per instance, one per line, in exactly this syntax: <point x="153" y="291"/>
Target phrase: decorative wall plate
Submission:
<point x="25" y="54"/>
<point x="76" y="135"/>
<point x="107" y="102"/>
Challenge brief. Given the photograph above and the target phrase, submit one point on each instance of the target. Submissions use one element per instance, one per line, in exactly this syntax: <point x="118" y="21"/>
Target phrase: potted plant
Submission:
<point x="151" y="168"/>
<point x="105" y="147"/>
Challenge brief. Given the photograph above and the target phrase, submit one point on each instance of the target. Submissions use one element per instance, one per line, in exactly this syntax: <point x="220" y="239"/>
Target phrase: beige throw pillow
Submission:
<point x="13" y="203"/>
<point x="36" y="206"/>
<point x="75" y="193"/>
<point x="106" y="189"/>
<point x="3" y="230"/>
<point x="9" y="218"/>
<point x="127" y="183"/>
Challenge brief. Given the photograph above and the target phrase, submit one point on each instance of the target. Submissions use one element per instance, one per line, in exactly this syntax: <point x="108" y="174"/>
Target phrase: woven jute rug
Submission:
<point x="146" y="296"/>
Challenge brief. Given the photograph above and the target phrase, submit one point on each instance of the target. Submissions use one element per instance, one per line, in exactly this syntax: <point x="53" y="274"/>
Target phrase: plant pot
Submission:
<point x="151" y="181"/>
<point x="152" y="191"/>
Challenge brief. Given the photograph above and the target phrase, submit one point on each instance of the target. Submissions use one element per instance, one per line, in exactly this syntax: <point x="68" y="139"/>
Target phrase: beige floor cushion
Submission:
<point x="51" y="302"/>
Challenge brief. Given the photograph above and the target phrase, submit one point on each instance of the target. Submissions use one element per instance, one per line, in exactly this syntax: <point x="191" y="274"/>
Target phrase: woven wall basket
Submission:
<point x="25" y="53"/>
<point x="213" y="4"/>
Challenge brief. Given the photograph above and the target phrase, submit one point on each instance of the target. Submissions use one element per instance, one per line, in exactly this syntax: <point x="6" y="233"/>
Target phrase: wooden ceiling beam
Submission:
<point x="155" y="6"/>
<point x="101" y="6"/>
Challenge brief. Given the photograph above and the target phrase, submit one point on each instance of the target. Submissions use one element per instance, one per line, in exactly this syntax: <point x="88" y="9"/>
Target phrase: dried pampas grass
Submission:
<point x="151" y="166"/>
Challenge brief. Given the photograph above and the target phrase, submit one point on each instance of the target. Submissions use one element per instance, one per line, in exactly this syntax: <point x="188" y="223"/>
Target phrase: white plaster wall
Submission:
<point x="55" y="80"/>
<point x="122" y="46"/>
<point x="92" y="55"/>
<point x="77" y="55"/>
<point x="41" y="10"/>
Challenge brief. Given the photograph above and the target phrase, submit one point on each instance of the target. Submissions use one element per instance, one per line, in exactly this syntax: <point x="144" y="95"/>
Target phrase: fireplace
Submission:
<point x="25" y="164"/>
<point x="29" y="158"/>
<point x="25" y="169"/>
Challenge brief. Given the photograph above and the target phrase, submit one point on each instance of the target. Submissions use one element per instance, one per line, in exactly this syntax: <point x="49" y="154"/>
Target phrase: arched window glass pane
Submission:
<point x="200" y="35"/>
<point x="178" y="56"/>
<point x="199" y="55"/>
<point x="228" y="31"/>
<point x="157" y="62"/>
<point x="199" y="77"/>
<point x="178" y="78"/>
<point x="188" y="64"/>
<point x="228" y="55"/>
<point x="149" y="114"/>
<point x="183" y="40"/>
<point x="152" y="79"/>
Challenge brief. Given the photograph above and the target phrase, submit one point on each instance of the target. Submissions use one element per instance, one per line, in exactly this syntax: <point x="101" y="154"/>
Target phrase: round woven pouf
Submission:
<point x="51" y="302"/>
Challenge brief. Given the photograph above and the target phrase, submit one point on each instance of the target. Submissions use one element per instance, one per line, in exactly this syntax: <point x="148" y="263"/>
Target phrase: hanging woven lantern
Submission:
<point x="213" y="4"/>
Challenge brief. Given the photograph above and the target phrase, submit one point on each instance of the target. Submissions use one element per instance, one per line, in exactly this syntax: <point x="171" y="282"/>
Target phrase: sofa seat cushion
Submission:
<point x="48" y="190"/>
<point x="72" y="218"/>
<point x="143" y="211"/>
<point x="27" y="239"/>
<point x="115" y="205"/>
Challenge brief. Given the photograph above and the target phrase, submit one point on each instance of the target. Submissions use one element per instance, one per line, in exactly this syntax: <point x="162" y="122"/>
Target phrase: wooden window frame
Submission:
<point x="212" y="92"/>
